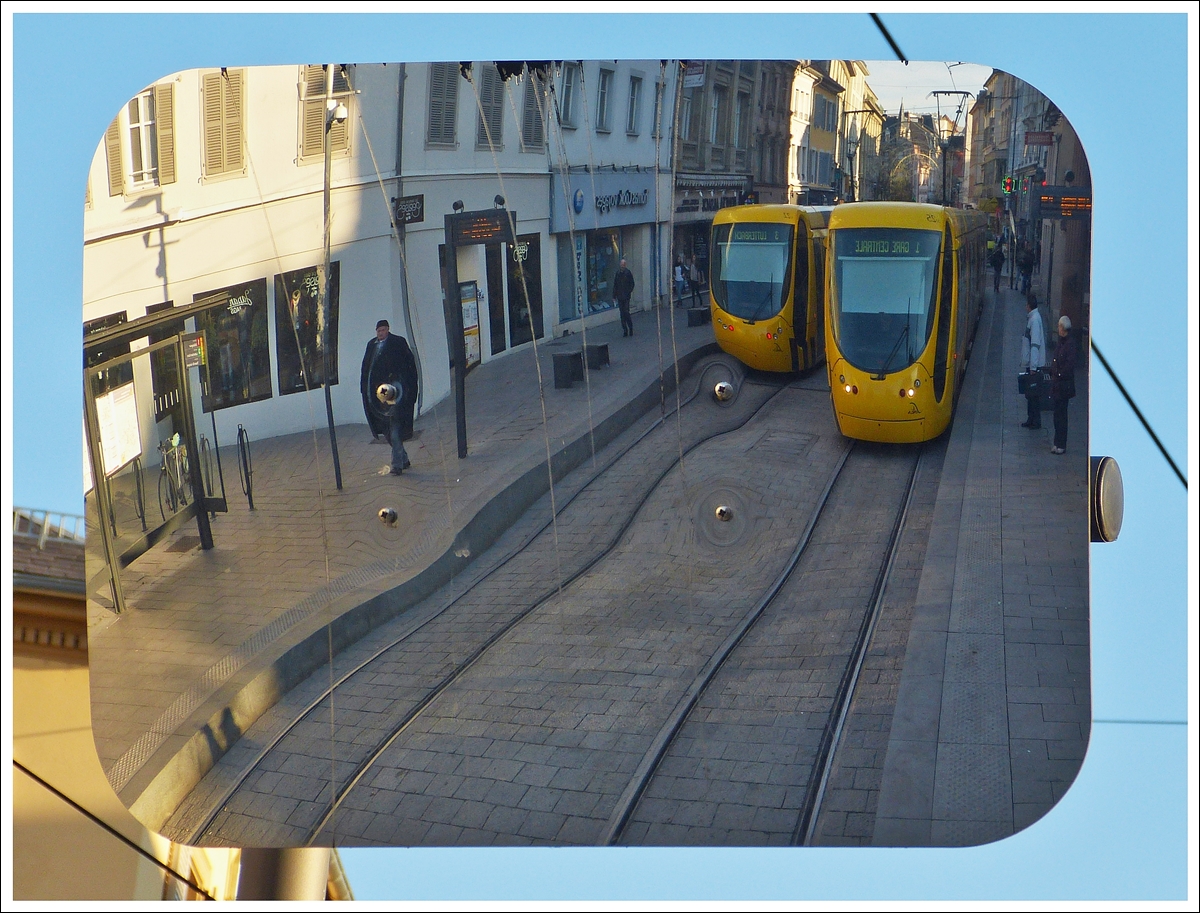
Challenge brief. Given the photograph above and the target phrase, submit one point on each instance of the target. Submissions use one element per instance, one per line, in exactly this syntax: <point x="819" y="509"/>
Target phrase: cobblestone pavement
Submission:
<point x="737" y="772"/>
<point x="198" y="617"/>
<point x="545" y="729"/>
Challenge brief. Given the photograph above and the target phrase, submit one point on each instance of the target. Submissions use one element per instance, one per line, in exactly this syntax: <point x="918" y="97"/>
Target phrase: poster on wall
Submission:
<point x="235" y="334"/>
<point x="469" y="295"/>
<point x="300" y="328"/>
<point x="120" y="434"/>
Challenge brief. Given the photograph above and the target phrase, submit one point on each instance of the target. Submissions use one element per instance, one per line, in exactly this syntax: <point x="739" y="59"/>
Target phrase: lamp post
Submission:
<point x="851" y="151"/>
<point x="335" y="112"/>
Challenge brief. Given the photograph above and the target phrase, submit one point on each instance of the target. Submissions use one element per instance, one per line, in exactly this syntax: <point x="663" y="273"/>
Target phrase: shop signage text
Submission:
<point x="410" y="209"/>
<point x="611" y="201"/>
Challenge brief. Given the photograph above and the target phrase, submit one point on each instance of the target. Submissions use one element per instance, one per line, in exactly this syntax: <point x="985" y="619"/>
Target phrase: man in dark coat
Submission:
<point x="389" y="360"/>
<point x="622" y="291"/>
<point x="1062" y="382"/>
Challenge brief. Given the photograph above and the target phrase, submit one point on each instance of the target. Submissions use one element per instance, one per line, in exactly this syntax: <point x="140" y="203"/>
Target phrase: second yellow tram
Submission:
<point x="766" y="281"/>
<point x="904" y="290"/>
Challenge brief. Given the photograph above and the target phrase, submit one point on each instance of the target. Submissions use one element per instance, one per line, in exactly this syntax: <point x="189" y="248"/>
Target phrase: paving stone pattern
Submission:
<point x="369" y="708"/>
<point x="737" y="772"/>
<point x="196" y="617"/>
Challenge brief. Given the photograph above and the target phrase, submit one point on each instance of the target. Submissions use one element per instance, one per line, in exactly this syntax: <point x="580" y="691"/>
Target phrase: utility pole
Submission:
<point x="333" y="113"/>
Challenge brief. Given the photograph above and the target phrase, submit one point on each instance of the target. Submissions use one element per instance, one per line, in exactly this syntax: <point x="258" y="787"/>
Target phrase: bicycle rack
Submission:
<point x="245" y="465"/>
<point x="206" y="464"/>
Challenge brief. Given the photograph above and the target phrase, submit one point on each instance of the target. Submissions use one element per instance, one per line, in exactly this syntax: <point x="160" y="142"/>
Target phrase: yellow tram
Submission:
<point x="904" y="291"/>
<point x="766" y="283"/>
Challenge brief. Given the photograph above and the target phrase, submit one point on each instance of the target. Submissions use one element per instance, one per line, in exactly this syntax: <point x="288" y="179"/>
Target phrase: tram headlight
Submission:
<point x="917" y="382"/>
<point x="842" y="379"/>
<point x="910" y="392"/>
<point x="847" y="388"/>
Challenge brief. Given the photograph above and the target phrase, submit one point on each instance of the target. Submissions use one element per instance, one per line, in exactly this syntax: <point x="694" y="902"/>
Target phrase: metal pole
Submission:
<point x="278" y="874"/>
<point x="452" y="306"/>
<point x="324" y="282"/>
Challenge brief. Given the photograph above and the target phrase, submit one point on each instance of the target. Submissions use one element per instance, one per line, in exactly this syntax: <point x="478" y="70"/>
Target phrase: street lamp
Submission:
<point x="851" y="151"/>
<point x="335" y="113"/>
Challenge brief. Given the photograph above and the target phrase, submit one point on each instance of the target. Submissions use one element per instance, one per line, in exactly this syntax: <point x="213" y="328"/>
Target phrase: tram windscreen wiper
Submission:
<point x="767" y="302"/>
<point x="887" y="362"/>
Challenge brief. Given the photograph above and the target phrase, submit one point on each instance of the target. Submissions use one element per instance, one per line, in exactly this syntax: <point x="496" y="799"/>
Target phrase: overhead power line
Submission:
<point x="1138" y="412"/>
<point x="890" y="40"/>
<point x="108" y="827"/>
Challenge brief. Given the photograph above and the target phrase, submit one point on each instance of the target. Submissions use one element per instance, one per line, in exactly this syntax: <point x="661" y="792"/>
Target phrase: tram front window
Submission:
<point x="883" y="295"/>
<point x="751" y="268"/>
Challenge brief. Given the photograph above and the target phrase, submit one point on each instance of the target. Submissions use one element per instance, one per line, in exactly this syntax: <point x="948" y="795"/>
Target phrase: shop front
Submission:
<point x="598" y="219"/>
<point x="698" y="197"/>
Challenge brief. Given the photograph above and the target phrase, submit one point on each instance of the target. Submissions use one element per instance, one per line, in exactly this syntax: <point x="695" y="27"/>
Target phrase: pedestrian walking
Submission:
<point x="1062" y="382"/>
<point x="997" y="261"/>
<point x="1033" y="358"/>
<point x="622" y="290"/>
<point x="389" y="360"/>
<point x="680" y="281"/>
<point x="1025" y="264"/>
<point x="694" y="281"/>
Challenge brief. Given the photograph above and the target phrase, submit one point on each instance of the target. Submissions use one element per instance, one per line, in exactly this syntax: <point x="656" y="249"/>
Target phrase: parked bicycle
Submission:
<point x="174" y="477"/>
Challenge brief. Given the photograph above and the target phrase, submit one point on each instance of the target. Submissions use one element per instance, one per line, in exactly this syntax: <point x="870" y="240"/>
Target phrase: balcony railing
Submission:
<point x="45" y="525"/>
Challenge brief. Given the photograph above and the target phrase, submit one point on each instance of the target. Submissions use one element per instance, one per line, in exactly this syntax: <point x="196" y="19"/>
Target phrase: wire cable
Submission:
<point x="890" y="40"/>
<point x="1138" y="412"/>
<point x="108" y="827"/>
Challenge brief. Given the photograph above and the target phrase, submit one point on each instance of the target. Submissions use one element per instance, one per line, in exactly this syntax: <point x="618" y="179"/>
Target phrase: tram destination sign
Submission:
<point x="1065" y="202"/>
<point x="480" y="227"/>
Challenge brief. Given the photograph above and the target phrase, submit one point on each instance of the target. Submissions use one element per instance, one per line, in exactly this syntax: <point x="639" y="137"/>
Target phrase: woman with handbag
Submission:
<point x="1062" y="382"/>
<point x="1033" y="358"/>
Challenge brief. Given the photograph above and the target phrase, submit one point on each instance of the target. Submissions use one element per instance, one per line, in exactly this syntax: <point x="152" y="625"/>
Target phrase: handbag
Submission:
<point x="1033" y="383"/>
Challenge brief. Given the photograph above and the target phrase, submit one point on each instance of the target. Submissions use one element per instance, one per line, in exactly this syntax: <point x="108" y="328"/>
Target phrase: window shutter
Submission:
<point x="532" y="135"/>
<point x="164" y="117"/>
<point x="491" y="100"/>
<point x="233" y="121"/>
<point x="443" y="103"/>
<point x="112" y="151"/>
<point x="214" y="145"/>
<point x="310" y="141"/>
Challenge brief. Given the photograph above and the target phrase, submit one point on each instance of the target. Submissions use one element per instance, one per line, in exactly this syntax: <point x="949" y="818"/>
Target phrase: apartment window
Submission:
<point x="566" y="101"/>
<point x="635" y="102"/>
<point x="140" y="142"/>
<point x="533" y="131"/>
<point x="741" y="122"/>
<point x="602" y="99"/>
<point x="686" y="121"/>
<point x="313" y="106"/>
<point x="443" y="104"/>
<point x="223" y="122"/>
<point x="491" y="109"/>
<point x="716" y="117"/>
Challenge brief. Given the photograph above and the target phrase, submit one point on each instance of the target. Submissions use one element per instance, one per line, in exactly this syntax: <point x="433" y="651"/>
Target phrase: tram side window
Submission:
<point x="235" y="335"/>
<point x="943" y="324"/>
<point x="800" y="299"/>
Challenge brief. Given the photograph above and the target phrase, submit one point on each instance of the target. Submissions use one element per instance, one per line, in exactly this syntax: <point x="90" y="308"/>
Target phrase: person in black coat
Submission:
<point x="1062" y="382"/>
<point x="622" y="291"/>
<point x="389" y="360"/>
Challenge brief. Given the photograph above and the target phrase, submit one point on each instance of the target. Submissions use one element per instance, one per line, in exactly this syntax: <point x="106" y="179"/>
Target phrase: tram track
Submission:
<point x="808" y="809"/>
<point x="705" y="373"/>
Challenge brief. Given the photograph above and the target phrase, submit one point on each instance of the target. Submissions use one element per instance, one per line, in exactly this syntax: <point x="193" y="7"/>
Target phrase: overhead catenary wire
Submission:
<point x="100" y="822"/>
<point x="890" y="40"/>
<point x="1138" y="412"/>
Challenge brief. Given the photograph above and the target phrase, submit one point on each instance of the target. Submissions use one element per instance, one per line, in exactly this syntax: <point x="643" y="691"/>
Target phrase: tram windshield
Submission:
<point x="883" y="295"/>
<point x="751" y="268"/>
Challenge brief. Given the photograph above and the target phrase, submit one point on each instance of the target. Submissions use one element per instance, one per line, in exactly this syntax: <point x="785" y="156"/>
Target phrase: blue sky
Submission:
<point x="1122" y="831"/>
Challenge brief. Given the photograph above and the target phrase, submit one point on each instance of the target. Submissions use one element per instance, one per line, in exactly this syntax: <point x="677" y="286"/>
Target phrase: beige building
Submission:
<point x="58" y="852"/>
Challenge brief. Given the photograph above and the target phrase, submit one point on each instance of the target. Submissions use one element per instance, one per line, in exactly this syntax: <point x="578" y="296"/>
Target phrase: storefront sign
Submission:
<point x="606" y="199"/>
<point x="193" y="350"/>
<point x="580" y="279"/>
<point x="1039" y="138"/>
<point x="693" y="76"/>
<point x="410" y="209"/>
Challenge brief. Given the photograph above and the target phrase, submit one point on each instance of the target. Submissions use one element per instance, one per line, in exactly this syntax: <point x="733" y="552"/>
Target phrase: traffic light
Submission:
<point x="1039" y="176"/>
<point x="1025" y="184"/>
<point x="1009" y="183"/>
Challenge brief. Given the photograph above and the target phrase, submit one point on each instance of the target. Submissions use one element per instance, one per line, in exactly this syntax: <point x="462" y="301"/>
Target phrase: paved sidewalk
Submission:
<point x="181" y="673"/>
<point x="993" y="713"/>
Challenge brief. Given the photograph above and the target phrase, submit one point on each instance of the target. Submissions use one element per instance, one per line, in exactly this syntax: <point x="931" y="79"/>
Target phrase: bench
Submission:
<point x="568" y="366"/>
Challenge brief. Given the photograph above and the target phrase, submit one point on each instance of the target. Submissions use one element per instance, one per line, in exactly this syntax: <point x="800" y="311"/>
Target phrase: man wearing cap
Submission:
<point x="389" y="360"/>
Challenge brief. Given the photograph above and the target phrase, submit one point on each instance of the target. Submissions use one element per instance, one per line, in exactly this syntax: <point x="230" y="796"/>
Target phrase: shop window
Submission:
<point x="525" y="289"/>
<point x="235" y="338"/>
<point x="164" y="366"/>
<point x="443" y="104"/>
<point x="603" y="258"/>
<point x="313" y="108"/>
<point x="224" y="125"/>
<point x="300" y="329"/>
<point x="107" y="380"/>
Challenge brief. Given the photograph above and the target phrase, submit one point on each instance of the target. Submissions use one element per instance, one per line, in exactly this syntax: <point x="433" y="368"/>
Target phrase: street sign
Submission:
<point x="1065" y="202"/>
<point x="693" y="76"/>
<point x="410" y="209"/>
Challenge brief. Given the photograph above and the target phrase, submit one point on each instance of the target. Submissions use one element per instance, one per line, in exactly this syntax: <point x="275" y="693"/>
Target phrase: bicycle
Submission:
<point x="174" y="478"/>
